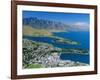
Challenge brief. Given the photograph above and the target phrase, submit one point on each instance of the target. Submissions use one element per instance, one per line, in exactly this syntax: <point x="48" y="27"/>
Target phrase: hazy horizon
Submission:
<point x="77" y="21"/>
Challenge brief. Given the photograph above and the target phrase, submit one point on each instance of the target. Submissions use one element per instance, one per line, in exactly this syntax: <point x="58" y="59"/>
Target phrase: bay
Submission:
<point x="81" y="37"/>
<point x="75" y="57"/>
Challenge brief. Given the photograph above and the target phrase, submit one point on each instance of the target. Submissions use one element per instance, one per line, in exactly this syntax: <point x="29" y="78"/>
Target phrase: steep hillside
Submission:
<point x="44" y="24"/>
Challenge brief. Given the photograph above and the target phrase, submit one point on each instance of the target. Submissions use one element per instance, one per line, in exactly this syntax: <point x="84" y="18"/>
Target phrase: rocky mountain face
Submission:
<point x="44" y="24"/>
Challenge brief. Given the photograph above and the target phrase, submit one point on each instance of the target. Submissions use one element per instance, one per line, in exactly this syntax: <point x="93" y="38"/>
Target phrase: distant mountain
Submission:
<point x="44" y="24"/>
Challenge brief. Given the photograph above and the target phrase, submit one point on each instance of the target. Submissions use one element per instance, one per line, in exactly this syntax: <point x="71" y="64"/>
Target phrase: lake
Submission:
<point x="81" y="37"/>
<point x="75" y="57"/>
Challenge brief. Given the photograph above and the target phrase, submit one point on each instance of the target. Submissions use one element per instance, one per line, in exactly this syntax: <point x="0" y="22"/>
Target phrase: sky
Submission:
<point x="75" y="19"/>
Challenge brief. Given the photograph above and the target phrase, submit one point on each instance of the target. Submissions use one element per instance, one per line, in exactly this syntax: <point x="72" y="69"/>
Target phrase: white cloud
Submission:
<point x="80" y="26"/>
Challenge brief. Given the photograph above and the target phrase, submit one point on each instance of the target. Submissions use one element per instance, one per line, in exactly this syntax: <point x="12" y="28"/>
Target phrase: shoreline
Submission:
<point x="46" y="55"/>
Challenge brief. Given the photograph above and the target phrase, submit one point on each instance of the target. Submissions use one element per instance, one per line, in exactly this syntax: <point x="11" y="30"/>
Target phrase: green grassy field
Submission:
<point x="35" y="66"/>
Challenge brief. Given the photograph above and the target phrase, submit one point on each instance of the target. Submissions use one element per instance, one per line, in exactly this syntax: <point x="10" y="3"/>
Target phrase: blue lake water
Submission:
<point x="81" y="37"/>
<point x="75" y="57"/>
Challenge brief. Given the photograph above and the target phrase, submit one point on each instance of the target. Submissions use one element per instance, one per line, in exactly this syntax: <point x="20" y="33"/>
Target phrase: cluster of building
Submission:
<point x="45" y="55"/>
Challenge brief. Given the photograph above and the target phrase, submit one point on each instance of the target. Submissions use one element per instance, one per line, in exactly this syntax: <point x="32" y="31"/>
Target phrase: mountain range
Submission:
<point x="37" y="23"/>
<point x="44" y="24"/>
